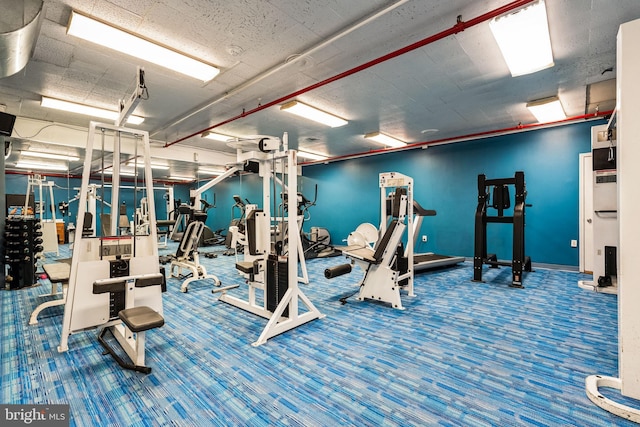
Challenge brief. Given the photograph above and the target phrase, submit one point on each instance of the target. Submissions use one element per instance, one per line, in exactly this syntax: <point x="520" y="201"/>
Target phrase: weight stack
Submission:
<point x="277" y="282"/>
<point x="23" y="241"/>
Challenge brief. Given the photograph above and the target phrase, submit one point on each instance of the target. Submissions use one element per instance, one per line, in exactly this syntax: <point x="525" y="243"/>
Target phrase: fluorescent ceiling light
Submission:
<point x="523" y="38"/>
<point x="311" y="113"/>
<point x="181" y="178"/>
<point x="385" y="139"/>
<point x="72" y="107"/>
<point x="50" y="156"/>
<point x="106" y="35"/>
<point x="217" y="136"/>
<point x="123" y="172"/>
<point x="211" y="171"/>
<point x="153" y="165"/>
<point x="311" y="156"/>
<point x="41" y="166"/>
<point x="547" y="109"/>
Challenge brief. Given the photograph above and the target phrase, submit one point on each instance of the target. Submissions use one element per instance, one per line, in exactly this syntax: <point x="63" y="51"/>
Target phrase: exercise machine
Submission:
<point x="234" y="240"/>
<point x="278" y="229"/>
<point x="115" y="281"/>
<point x="428" y="260"/>
<point x="494" y="194"/>
<point x="187" y="257"/>
<point x="316" y="243"/>
<point x="273" y="272"/>
<point x="90" y="210"/>
<point x="141" y="217"/>
<point x="388" y="267"/>
<point x="188" y="214"/>
<point x="49" y="227"/>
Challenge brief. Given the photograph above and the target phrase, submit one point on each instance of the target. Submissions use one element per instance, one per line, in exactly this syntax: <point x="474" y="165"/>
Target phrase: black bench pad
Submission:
<point x="140" y="319"/>
<point x="245" y="266"/>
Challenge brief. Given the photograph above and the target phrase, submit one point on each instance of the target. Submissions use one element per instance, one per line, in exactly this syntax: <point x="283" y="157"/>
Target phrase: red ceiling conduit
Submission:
<point x="458" y="27"/>
<point x="425" y="144"/>
<point x="477" y="135"/>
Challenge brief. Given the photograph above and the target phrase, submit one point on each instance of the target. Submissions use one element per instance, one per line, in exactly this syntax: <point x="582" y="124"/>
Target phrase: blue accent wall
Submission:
<point x="65" y="190"/>
<point x="445" y="179"/>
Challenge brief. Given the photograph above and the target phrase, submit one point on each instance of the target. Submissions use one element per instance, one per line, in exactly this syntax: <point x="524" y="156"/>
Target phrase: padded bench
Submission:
<point x="136" y="319"/>
<point x="140" y="319"/>
<point x="248" y="267"/>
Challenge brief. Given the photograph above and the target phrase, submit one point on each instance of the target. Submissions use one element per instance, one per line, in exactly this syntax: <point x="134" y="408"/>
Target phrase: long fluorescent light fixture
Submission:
<point x="123" y="172"/>
<point x="123" y="41"/>
<point x="41" y="166"/>
<point x="205" y="171"/>
<point x="385" y="139"/>
<point x="547" y="109"/>
<point x="157" y="166"/>
<point x="50" y="156"/>
<point x="181" y="178"/>
<point x="72" y="107"/>
<point x="311" y="156"/>
<point x="217" y="136"/>
<point x="523" y="38"/>
<point x="311" y="113"/>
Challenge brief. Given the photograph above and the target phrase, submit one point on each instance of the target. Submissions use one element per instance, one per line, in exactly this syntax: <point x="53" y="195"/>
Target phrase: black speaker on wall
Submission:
<point x="6" y="123"/>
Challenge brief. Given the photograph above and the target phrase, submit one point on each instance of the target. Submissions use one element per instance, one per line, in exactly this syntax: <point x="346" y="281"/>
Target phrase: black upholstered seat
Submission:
<point x="141" y="318"/>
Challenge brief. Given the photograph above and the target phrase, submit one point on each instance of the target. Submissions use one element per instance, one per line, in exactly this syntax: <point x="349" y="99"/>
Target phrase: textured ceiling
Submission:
<point x="270" y="49"/>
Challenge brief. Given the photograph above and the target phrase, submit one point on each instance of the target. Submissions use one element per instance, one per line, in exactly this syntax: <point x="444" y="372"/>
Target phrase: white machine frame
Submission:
<point x="84" y="309"/>
<point x="91" y="203"/>
<point x="381" y="282"/>
<point x="236" y="236"/>
<point x="49" y="230"/>
<point x="190" y="260"/>
<point x="285" y="161"/>
<point x="628" y="138"/>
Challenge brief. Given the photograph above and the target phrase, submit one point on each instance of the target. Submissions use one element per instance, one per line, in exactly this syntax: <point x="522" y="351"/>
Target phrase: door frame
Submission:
<point x="585" y="243"/>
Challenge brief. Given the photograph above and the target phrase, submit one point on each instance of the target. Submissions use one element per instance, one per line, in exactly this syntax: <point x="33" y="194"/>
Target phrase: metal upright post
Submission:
<point x="480" y="241"/>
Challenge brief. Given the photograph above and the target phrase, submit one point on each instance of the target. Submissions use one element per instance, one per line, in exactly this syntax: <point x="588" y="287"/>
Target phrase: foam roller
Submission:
<point x="336" y="271"/>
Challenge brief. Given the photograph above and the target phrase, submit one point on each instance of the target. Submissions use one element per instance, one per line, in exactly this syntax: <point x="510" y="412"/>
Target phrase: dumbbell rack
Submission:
<point x="23" y="246"/>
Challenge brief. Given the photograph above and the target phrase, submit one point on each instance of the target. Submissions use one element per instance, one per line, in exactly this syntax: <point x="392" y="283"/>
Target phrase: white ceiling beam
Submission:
<point x="73" y="136"/>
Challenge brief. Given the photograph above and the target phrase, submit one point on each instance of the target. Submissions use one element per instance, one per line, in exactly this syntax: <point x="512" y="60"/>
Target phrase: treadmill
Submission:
<point x="428" y="260"/>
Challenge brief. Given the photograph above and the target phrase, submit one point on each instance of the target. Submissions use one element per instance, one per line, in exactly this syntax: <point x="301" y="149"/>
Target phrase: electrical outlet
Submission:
<point x="574" y="243"/>
<point x="424" y="239"/>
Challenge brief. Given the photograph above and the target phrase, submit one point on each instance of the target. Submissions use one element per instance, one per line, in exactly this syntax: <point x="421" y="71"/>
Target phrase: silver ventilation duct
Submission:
<point x="19" y="28"/>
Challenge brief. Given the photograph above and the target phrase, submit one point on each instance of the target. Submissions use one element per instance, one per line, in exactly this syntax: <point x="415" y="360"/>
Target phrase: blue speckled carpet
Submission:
<point x="461" y="354"/>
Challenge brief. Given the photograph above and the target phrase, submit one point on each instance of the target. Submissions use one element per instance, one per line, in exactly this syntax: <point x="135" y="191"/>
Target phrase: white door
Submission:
<point x="586" y="213"/>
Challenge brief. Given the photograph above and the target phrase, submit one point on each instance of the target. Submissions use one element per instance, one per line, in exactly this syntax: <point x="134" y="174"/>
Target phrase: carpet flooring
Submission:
<point x="460" y="354"/>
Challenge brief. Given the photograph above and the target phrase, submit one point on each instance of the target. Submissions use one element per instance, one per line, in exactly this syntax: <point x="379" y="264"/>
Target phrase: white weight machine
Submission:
<point x="187" y="258"/>
<point x="274" y="270"/>
<point x="92" y="198"/>
<point x="265" y="172"/>
<point x="115" y="282"/>
<point x="387" y="270"/>
<point x="49" y="230"/>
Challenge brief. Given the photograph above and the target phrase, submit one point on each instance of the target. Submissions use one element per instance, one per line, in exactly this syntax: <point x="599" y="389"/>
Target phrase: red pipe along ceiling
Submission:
<point x="459" y="26"/>
<point x="477" y="135"/>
